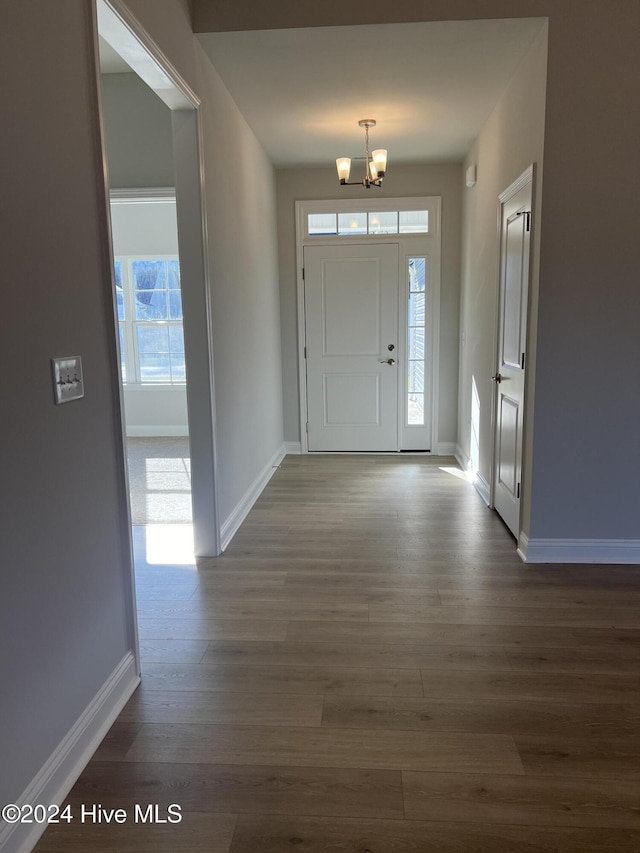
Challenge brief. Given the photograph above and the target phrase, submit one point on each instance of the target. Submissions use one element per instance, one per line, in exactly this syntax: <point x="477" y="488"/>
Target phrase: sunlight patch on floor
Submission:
<point x="467" y="476"/>
<point x="169" y="544"/>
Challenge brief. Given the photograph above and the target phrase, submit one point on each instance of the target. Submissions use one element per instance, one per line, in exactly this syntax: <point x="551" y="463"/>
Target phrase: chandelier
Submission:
<point x="375" y="165"/>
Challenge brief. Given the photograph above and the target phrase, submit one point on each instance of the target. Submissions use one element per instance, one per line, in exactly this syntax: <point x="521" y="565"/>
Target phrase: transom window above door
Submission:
<point x="377" y="218"/>
<point x="359" y="223"/>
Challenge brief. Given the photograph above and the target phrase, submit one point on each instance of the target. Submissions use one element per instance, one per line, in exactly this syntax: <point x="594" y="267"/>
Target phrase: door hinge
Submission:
<point x="305" y="352"/>
<point x="518" y="492"/>
<point x="306" y="427"/>
<point x="303" y="273"/>
<point x="527" y="216"/>
<point x="522" y="361"/>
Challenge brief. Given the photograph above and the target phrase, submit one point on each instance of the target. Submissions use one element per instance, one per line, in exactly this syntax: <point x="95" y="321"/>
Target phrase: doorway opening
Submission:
<point x="160" y="298"/>
<point x="121" y="34"/>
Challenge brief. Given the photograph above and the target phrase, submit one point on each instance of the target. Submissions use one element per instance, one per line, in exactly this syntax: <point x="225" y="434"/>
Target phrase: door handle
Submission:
<point x="388" y="361"/>
<point x="497" y="378"/>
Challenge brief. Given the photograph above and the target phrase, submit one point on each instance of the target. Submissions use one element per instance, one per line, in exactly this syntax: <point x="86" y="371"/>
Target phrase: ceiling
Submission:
<point x="429" y="86"/>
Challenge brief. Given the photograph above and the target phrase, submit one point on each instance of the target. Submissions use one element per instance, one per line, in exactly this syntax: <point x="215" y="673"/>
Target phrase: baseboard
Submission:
<point x="59" y="774"/>
<point x="158" y="431"/>
<point x="463" y="460"/>
<point x="446" y="448"/>
<point x="293" y="448"/>
<point x="476" y="479"/>
<point x="599" y="551"/>
<point x="482" y="488"/>
<point x="523" y="547"/>
<point x="230" y="526"/>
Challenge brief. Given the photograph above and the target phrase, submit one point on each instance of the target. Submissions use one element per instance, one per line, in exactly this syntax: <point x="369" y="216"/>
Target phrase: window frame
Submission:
<point x="431" y="204"/>
<point x="130" y="324"/>
<point x="427" y="354"/>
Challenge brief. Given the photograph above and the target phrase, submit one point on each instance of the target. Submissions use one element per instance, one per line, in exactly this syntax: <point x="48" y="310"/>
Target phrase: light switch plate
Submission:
<point x="67" y="378"/>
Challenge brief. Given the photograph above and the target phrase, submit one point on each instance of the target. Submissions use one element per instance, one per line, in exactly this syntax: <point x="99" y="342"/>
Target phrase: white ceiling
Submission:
<point x="430" y="86"/>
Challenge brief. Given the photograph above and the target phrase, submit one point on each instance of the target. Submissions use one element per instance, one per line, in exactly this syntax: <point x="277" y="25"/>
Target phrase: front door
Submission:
<point x="351" y="315"/>
<point x="512" y="332"/>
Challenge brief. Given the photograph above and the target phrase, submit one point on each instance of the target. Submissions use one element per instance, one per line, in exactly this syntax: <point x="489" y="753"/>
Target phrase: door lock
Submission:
<point x="391" y="347"/>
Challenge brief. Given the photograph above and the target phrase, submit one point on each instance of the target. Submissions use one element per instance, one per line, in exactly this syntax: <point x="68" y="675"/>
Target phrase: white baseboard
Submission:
<point x="523" y="547"/>
<point x="230" y="526"/>
<point x="463" y="460"/>
<point x="482" y="488"/>
<point x="445" y="448"/>
<point x="158" y="431"/>
<point x="59" y="774"/>
<point x="479" y="482"/>
<point x="293" y="448"/>
<point x="599" y="551"/>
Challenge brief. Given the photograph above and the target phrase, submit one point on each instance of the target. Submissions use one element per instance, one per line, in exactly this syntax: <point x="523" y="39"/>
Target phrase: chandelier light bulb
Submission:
<point x="375" y="164"/>
<point x="343" y="164"/>
<point x="380" y="161"/>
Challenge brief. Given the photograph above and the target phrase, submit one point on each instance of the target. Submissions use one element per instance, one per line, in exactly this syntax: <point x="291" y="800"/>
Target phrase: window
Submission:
<point x="416" y="327"/>
<point x="362" y="223"/>
<point x="352" y="223"/>
<point x="149" y="303"/>
<point x="322" y="224"/>
<point x="383" y="223"/>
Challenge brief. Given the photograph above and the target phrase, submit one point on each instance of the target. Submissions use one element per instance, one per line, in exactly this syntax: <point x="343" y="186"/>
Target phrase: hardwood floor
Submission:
<point x="370" y="668"/>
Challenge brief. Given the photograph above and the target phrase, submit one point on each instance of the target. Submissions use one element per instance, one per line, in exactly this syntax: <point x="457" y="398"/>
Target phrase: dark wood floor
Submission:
<point x="371" y="669"/>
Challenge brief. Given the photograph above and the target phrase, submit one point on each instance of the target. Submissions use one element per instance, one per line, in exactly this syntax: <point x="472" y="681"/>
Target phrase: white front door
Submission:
<point x="351" y="313"/>
<point x="512" y="331"/>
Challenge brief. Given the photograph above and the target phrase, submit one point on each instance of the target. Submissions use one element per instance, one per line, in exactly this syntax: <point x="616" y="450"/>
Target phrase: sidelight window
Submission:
<point x="416" y="333"/>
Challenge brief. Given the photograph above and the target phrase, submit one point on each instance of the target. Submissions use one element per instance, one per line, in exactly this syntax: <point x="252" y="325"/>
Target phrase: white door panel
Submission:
<point x="352" y="399"/>
<point x="508" y="448"/>
<point x="514" y="260"/>
<point x="351" y="311"/>
<point x="510" y="373"/>
<point x="351" y="307"/>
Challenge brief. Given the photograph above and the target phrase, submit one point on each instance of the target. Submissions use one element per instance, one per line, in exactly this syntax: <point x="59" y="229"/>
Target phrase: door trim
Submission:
<point x="527" y="177"/>
<point x="404" y="241"/>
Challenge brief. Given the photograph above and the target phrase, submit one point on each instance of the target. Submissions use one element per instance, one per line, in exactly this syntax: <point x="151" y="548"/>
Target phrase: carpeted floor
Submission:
<point x="159" y="480"/>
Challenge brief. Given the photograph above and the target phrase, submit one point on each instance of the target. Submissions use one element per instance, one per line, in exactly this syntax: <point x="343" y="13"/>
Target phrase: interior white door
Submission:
<point x="510" y="373"/>
<point x="351" y="314"/>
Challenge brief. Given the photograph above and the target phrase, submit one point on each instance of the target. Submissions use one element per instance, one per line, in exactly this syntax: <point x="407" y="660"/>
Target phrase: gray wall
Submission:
<point x="587" y="371"/>
<point x="433" y="179"/>
<point x="63" y="607"/>
<point x="241" y="211"/>
<point x="510" y="141"/>
<point x="588" y="361"/>
<point x="138" y="133"/>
